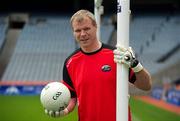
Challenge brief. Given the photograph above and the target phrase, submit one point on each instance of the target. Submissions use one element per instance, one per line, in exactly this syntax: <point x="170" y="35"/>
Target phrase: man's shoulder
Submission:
<point x="72" y="54"/>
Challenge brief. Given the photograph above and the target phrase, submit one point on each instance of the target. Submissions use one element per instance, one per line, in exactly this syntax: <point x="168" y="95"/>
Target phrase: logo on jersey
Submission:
<point x="106" y="68"/>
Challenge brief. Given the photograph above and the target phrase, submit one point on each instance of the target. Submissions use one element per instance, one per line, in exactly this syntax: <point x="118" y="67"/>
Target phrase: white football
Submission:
<point x="55" y="96"/>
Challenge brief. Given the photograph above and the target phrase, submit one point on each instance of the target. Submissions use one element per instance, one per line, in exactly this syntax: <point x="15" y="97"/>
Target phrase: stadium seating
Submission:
<point x="41" y="50"/>
<point x="153" y="37"/>
<point x="45" y="42"/>
<point x="3" y="27"/>
<point x="141" y="29"/>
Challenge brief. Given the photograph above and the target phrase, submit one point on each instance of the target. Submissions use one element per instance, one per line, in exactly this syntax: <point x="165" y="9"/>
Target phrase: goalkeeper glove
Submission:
<point x="57" y="113"/>
<point x="126" y="56"/>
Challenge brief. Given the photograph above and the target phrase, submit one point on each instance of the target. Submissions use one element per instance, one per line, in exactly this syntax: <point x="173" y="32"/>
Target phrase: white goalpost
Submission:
<point x="98" y="11"/>
<point x="123" y="13"/>
<point x="122" y="99"/>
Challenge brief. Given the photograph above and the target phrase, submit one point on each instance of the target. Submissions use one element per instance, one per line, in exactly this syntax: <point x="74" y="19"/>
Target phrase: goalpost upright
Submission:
<point x="98" y="11"/>
<point x="122" y="99"/>
<point x="123" y="20"/>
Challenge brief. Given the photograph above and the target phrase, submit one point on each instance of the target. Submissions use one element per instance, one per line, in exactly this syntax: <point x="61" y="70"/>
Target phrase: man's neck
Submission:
<point x="93" y="48"/>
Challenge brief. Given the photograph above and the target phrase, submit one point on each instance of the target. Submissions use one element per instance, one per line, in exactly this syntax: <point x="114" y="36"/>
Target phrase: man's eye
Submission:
<point x="77" y="31"/>
<point x="86" y="29"/>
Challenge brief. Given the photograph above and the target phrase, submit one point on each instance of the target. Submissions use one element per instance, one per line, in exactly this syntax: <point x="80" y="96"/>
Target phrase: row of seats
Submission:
<point x="46" y="41"/>
<point x="142" y="28"/>
<point x="41" y="50"/>
<point x="3" y="28"/>
<point x="163" y="39"/>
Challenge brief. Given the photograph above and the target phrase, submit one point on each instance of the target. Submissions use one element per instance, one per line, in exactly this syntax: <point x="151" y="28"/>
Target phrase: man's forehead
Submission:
<point x="81" y="19"/>
<point x="84" y="21"/>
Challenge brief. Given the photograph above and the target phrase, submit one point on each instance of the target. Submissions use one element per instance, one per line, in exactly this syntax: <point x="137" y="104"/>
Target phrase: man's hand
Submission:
<point x="127" y="57"/>
<point x="57" y="113"/>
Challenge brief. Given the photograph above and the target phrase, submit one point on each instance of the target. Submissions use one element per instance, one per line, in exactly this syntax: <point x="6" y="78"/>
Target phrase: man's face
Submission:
<point x="84" y="32"/>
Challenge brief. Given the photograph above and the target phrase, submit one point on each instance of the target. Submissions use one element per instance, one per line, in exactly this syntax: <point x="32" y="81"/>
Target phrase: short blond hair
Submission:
<point x="81" y="14"/>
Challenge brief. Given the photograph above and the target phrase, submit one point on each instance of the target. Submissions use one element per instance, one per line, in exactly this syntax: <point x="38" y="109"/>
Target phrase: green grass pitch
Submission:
<point x="145" y="112"/>
<point x="28" y="108"/>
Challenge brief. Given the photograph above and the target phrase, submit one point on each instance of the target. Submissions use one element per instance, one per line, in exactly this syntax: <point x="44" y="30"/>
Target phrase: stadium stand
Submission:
<point x="142" y="28"/>
<point x="46" y="40"/>
<point x="3" y="28"/>
<point x="155" y="37"/>
<point x="41" y="49"/>
<point x="165" y="41"/>
<point x="106" y="29"/>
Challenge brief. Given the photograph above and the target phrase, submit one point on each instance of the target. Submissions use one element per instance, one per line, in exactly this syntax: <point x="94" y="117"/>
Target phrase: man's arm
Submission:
<point x="143" y="80"/>
<point x="127" y="57"/>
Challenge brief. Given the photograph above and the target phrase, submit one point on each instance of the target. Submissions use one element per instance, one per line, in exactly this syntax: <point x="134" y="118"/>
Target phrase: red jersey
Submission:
<point x="91" y="77"/>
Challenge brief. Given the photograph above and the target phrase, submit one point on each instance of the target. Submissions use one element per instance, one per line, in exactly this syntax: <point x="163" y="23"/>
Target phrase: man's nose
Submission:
<point x="83" y="33"/>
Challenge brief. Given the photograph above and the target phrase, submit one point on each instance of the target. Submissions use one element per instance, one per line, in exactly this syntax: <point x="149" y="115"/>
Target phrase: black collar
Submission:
<point x="91" y="53"/>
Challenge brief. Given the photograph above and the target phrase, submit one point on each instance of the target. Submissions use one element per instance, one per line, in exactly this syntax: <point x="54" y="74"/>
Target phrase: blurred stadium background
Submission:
<point x="36" y="37"/>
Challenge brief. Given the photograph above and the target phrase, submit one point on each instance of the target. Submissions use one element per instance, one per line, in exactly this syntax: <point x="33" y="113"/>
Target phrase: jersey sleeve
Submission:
<point x="68" y="82"/>
<point x="132" y="76"/>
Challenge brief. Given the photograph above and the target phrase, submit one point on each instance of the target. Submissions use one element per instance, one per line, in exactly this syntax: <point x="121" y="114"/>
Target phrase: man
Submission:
<point x="90" y="72"/>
